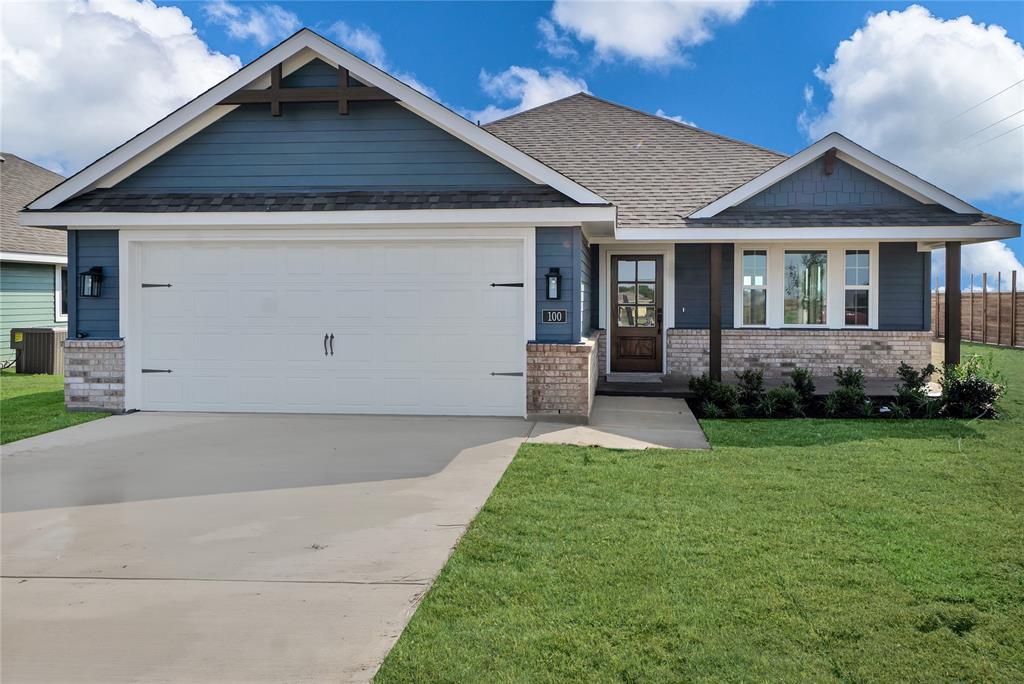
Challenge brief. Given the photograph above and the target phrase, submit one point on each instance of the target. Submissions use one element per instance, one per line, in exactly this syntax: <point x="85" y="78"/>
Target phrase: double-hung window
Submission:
<point x="858" y="287"/>
<point x="805" y="287"/>
<point x="755" y="287"/>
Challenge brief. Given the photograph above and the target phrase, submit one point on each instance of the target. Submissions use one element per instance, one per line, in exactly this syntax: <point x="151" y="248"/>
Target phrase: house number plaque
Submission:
<point x="554" y="316"/>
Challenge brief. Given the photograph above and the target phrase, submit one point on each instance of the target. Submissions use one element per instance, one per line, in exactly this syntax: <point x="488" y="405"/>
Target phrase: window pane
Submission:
<point x="645" y="317"/>
<point x="627" y="316"/>
<point x="627" y="294"/>
<point x="805" y="295"/>
<point x="755" y="306"/>
<point x="645" y="293"/>
<point x="755" y="268"/>
<point x="64" y="291"/>
<point x="858" y="267"/>
<point x="856" y="307"/>
<point x="627" y="270"/>
<point x="645" y="270"/>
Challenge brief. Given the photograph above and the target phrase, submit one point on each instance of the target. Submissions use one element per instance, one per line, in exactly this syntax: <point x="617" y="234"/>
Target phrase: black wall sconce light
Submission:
<point x="554" y="284"/>
<point x="89" y="282"/>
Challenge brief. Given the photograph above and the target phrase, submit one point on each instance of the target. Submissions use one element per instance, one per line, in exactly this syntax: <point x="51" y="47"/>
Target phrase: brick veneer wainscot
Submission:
<point x="94" y="375"/>
<point x="877" y="352"/>
<point x="561" y="379"/>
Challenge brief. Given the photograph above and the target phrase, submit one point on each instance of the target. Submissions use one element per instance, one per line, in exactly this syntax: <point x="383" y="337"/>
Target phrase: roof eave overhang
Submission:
<point x="853" y="154"/>
<point x="377" y="218"/>
<point x="205" y="109"/>
<point x="926" y="234"/>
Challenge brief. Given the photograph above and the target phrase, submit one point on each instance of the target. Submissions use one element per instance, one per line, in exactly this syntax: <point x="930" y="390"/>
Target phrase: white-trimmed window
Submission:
<point x="857" y="288"/>
<point x="60" y="292"/>
<point x="806" y="285"/>
<point x="755" y="287"/>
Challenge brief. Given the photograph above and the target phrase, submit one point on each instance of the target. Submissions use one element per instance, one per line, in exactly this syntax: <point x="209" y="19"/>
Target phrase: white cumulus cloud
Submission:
<point x="902" y="86"/>
<point x="650" y="31"/>
<point x="366" y="44"/>
<point x="524" y="88"/>
<point x="81" y="77"/>
<point x="673" y="117"/>
<point x="266" y="24"/>
<point x="986" y="257"/>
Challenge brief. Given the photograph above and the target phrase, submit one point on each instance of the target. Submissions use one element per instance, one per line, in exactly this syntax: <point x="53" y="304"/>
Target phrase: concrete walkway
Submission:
<point x="629" y="423"/>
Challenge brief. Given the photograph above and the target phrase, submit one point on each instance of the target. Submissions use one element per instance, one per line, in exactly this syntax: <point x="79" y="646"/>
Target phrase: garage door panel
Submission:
<point x="417" y="327"/>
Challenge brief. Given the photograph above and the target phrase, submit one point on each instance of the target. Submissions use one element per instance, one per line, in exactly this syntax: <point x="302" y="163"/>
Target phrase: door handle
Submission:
<point x="325" y="344"/>
<point x="332" y="344"/>
<point x="659" y="320"/>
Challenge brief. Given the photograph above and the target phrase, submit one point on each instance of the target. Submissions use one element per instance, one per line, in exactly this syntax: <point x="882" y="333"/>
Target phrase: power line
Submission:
<point x="973" y="107"/>
<point x="1015" y="128"/>
<point x="991" y="125"/>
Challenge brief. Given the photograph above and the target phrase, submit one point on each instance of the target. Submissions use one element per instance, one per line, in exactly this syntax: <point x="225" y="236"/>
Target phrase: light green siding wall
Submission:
<point x="26" y="300"/>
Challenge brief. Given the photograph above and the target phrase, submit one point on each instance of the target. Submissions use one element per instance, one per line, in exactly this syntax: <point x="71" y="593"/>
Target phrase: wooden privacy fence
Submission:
<point x="991" y="312"/>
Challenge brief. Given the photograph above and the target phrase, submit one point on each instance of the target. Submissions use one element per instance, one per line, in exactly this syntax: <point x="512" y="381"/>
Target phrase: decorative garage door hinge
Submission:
<point x="156" y="284"/>
<point x="156" y="370"/>
<point x="506" y="284"/>
<point x="516" y="375"/>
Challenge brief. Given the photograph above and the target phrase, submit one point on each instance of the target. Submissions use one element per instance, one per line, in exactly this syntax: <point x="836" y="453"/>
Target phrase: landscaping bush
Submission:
<point x="803" y="383"/>
<point x="751" y="387"/>
<point x="715" y="399"/>
<point x="781" y="402"/>
<point x="849" y="400"/>
<point x="912" y="400"/>
<point x="971" y="389"/>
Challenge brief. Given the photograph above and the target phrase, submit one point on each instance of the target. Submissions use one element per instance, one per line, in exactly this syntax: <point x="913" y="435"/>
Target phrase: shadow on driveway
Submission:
<point x="147" y="456"/>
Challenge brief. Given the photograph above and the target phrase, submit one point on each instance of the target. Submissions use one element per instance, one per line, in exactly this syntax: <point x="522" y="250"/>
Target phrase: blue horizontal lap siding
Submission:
<point x="559" y="248"/>
<point x="310" y="146"/>
<point x="26" y="300"/>
<point x="846" y="188"/>
<point x="585" y="284"/>
<point x="96" y="317"/>
<point x="595" y="287"/>
<point x="693" y="286"/>
<point x="904" y="299"/>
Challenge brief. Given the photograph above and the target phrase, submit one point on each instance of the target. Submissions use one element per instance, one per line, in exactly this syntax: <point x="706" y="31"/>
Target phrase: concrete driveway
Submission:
<point x="232" y="548"/>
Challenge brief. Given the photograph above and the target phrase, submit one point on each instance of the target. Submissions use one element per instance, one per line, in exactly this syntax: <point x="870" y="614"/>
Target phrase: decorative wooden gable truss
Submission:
<point x="343" y="93"/>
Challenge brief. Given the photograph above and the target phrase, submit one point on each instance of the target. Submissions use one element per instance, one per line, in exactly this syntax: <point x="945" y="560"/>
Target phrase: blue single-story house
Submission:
<point x="314" y="235"/>
<point x="33" y="261"/>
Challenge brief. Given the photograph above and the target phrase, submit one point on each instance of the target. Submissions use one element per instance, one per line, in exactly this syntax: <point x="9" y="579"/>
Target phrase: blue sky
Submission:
<point x="748" y="72"/>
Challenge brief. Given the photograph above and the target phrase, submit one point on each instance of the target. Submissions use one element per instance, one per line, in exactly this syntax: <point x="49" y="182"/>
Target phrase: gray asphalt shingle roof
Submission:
<point x="21" y="182"/>
<point x="357" y="200"/>
<point x="654" y="170"/>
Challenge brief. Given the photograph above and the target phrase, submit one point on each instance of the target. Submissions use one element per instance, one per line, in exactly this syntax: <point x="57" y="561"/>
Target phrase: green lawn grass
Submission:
<point x="807" y="550"/>
<point x="33" y="404"/>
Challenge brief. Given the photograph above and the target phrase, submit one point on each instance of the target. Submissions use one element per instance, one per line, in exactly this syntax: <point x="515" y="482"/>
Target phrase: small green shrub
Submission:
<point x="845" y="402"/>
<point x="725" y="398"/>
<point x="971" y="389"/>
<point x="781" y="402"/>
<point x="803" y="383"/>
<point x="751" y="387"/>
<point x="850" y="378"/>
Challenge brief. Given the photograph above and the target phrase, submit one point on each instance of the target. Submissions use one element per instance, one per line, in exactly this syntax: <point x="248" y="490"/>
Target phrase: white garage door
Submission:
<point x="417" y="327"/>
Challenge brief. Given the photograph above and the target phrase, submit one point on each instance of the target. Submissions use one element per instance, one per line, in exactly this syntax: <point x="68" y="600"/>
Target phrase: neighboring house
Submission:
<point x="33" y="261"/>
<point x="313" y="235"/>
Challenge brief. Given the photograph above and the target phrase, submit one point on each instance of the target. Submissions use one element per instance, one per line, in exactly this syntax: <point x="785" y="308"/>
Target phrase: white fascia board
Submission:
<point x="884" y="234"/>
<point x="307" y="40"/>
<point x="855" y="155"/>
<point x="379" y="218"/>
<point x="33" y="258"/>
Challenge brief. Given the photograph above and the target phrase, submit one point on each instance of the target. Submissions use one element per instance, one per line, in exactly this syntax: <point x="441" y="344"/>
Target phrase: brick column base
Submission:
<point x="94" y="375"/>
<point x="561" y="380"/>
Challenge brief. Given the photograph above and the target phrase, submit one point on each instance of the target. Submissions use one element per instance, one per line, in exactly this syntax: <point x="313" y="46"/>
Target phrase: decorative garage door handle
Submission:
<point x="325" y="344"/>
<point x="511" y="375"/>
<point x="332" y="344"/>
<point x="506" y="284"/>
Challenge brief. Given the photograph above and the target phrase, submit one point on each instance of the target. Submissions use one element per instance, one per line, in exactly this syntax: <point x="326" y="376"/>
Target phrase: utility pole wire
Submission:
<point x="1015" y="128"/>
<point x="991" y="125"/>
<point x="973" y="107"/>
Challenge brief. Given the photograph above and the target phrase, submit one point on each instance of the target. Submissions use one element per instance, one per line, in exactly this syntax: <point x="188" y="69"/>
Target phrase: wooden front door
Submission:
<point x="636" y="314"/>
